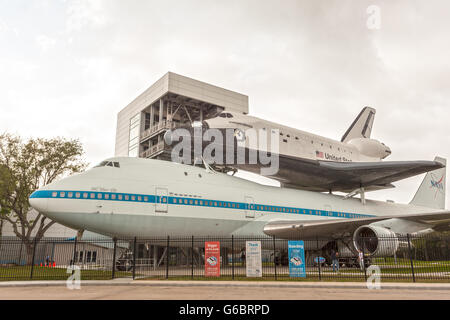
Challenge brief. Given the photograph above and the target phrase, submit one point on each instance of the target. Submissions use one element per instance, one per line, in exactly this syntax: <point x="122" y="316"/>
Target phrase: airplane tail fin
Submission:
<point x="431" y="192"/>
<point x="362" y="126"/>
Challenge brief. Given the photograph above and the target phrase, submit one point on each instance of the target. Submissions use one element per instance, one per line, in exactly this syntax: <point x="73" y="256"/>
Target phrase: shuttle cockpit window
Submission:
<point x="225" y="115"/>
<point x="108" y="163"/>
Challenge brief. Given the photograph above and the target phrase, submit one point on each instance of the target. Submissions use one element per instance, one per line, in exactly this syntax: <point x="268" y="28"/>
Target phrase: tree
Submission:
<point x="24" y="168"/>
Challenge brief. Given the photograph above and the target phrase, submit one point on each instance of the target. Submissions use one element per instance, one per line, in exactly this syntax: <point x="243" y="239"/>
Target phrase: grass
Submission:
<point x="424" y="273"/>
<point x="22" y="273"/>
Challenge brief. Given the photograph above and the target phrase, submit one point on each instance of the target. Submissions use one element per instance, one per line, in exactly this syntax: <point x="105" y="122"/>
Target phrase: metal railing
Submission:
<point x="408" y="258"/>
<point x="155" y="129"/>
<point x="153" y="150"/>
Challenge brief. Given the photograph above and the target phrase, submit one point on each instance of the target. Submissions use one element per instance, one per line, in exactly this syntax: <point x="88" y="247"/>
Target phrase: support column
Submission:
<point x="161" y="110"/>
<point x="152" y="116"/>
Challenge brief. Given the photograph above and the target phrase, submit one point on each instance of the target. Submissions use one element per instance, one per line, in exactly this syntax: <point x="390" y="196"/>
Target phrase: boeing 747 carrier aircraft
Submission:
<point x="128" y="197"/>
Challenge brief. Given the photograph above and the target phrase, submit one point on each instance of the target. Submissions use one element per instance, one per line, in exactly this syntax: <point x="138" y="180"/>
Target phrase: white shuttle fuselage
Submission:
<point x="301" y="144"/>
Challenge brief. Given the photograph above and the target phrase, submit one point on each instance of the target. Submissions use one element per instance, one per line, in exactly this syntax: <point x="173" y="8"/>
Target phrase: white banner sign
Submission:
<point x="253" y="259"/>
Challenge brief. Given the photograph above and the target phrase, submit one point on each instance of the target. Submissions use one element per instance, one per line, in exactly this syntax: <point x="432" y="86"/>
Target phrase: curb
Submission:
<point x="168" y="283"/>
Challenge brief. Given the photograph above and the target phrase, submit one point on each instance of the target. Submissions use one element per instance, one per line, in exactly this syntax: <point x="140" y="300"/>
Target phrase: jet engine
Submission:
<point x="376" y="241"/>
<point x="371" y="147"/>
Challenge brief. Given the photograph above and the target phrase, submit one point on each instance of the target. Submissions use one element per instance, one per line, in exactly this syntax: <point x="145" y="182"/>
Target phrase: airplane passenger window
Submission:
<point x="77" y="195"/>
<point x="70" y="194"/>
<point x="62" y="194"/>
<point x="54" y="194"/>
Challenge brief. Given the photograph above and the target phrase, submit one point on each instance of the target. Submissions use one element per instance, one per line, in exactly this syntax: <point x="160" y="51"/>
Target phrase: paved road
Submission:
<point x="215" y="292"/>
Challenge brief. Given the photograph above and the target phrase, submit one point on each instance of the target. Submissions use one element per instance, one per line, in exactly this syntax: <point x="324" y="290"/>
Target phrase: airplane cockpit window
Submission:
<point x="108" y="163"/>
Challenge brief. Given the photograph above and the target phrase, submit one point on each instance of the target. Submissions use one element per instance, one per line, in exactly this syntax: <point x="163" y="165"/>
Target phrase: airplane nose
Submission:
<point x="38" y="201"/>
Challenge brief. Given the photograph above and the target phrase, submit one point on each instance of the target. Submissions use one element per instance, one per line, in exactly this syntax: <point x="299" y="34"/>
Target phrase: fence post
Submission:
<point x="32" y="259"/>
<point x="167" y="258"/>
<point x="364" y="261"/>
<point x="192" y="259"/>
<point x="318" y="260"/>
<point x="274" y="260"/>
<point x="232" y="257"/>
<point x="114" y="259"/>
<point x="74" y="253"/>
<point x="410" y="257"/>
<point x="134" y="258"/>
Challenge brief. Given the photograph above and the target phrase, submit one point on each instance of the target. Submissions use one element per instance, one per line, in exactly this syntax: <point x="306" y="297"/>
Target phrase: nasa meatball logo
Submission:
<point x="239" y="134"/>
<point x="296" y="261"/>
<point x="212" y="261"/>
<point x="437" y="184"/>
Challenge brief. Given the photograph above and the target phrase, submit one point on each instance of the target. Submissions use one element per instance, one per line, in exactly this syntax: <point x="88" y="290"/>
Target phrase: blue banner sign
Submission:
<point x="296" y="251"/>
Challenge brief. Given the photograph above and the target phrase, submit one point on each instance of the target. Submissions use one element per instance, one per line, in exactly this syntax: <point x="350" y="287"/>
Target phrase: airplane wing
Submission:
<point x="317" y="175"/>
<point x="304" y="229"/>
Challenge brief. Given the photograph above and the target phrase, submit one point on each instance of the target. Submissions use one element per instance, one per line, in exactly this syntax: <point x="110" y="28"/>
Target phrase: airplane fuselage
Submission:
<point x="153" y="198"/>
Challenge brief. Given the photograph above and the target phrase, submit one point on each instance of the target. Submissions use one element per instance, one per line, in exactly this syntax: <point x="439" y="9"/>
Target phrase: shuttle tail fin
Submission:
<point x="362" y="126"/>
<point x="431" y="192"/>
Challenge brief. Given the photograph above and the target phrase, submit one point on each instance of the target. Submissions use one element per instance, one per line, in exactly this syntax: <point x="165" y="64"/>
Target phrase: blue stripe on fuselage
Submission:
<point x="145" y="198"/>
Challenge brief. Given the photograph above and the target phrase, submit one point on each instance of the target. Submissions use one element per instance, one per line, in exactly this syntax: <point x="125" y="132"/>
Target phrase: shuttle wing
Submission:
<point x="307" y="229"/>
<point x="316" y="175"/>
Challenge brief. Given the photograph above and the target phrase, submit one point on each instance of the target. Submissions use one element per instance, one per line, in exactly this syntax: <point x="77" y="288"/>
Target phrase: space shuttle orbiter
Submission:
<point x="312" y="162"/>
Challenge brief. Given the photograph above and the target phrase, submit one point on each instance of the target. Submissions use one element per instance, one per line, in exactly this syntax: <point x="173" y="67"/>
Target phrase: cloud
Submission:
<point x="45" y="42"/>
<point x="307" y="64"/>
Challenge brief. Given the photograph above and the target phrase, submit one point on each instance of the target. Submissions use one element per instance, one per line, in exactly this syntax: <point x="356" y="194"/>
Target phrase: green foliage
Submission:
<point x="27" y="166"/>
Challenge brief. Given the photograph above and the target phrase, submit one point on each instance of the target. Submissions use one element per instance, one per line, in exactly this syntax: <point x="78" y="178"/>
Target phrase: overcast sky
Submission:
<point x="68" y="67"/>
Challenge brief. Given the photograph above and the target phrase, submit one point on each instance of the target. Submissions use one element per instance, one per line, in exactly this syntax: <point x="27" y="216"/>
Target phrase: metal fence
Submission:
<point x="407" y="258"/>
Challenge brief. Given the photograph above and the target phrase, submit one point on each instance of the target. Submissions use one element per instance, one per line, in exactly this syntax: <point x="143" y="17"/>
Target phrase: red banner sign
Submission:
<point x="212" y="259"/>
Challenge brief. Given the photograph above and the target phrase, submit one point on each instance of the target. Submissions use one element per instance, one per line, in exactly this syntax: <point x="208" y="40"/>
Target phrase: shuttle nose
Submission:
<point x="38" y="201"/>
